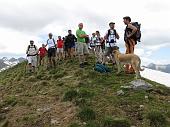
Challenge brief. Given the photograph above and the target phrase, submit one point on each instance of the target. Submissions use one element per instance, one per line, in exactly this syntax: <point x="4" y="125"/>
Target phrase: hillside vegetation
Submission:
<point x="72" y="97"/>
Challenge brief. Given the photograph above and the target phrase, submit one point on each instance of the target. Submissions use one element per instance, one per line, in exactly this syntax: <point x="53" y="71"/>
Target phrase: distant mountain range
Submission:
<point x="6" y="63"/>
<point x="163" y="68"/>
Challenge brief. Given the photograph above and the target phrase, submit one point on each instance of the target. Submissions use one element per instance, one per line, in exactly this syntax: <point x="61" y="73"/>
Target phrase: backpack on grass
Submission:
<point x="101" y="68"/>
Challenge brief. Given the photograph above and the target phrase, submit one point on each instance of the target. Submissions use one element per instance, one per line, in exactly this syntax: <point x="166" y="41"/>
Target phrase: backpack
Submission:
<point x="53" y="41"/>
<point x="33" y="47"/>
<point x="138" y="32"/>
<point x="101" y="68"/>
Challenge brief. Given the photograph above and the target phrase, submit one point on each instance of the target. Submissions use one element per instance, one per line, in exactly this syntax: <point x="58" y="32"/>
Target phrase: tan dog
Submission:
<point x="132" y="59"/>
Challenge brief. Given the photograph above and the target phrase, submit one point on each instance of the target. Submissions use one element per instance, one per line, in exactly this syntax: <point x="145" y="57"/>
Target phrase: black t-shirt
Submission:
<point x="70" y="39"/>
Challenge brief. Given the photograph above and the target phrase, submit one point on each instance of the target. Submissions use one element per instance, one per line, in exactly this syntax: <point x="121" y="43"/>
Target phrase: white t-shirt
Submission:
<point x="51" y="43"/>
<point x="32" y="50"/>
<point x="98" y="41"/>
<point x="111" y="38"/>
<point x="93" y="41"/>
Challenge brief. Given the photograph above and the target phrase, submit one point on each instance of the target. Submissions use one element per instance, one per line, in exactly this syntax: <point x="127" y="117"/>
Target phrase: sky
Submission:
<point x="24" y="20"/>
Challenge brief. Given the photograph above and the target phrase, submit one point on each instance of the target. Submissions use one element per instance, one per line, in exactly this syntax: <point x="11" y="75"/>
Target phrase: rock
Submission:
<point x="55" y="122"/>
<point x="126" y="87"/>
<point x="146" y="97"/>
<point x="44" y="110"/>
<point x="141" y="106"/>
<point x="84" y="123"/>
<point x="140" y="85"/>
<point x="5" y="110"/>
<point x="120" y="93"/>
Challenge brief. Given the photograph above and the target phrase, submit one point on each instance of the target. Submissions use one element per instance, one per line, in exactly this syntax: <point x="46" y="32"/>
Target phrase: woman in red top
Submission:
<point x="42" y="54"/>
<point x="60" y="44"/>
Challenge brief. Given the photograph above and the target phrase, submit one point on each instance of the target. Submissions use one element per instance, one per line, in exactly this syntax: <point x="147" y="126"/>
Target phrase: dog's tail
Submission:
<point x="140" y="69"/>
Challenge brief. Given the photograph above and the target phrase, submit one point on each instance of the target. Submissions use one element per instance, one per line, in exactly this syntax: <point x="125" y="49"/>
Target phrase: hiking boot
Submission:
<point x="82" y="65"/>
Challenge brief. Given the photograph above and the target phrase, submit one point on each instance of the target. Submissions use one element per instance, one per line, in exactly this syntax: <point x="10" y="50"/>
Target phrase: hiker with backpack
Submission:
<point x="51" y="51"/>
<point x="70" y="40"/>
<point x="42" y="55"/>
<point x="98" y="48"/>
<point x="130" y="38"/>
<point x="110" y="37"/>
<point x="32" y="52"/>
<point x="82" y="46"/>
<point x="60" y="43"/>
<point x="92" y="43"/>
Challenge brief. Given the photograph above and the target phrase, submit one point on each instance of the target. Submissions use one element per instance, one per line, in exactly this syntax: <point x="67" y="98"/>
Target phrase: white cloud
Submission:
<point x="22" y="20"/>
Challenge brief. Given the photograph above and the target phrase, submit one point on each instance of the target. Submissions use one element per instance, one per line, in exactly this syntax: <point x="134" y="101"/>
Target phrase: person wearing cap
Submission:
<point x="110" y="37"/>
<point x="32" y="52"/>
<point x="51" y="50"/>
<point x="82" y="47"/>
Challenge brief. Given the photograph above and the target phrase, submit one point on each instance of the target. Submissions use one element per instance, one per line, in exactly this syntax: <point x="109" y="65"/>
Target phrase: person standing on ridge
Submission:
<point x="70" y="40"/>
<point x="32" y="52"/>
<point x="92" y="43"/>
<point x="98" y="48"/>
<point x="82" y="46"/>
<point x="60" y="54"/>
<point x="42" y="55"/>
<point x="51" y="51"/>
<point x="130" y="40"/>
<point x="111" y="37"/>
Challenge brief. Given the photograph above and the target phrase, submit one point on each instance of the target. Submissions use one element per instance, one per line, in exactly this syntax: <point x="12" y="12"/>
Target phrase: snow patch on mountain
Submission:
<point x="6" y="63"/>
<point x="157" y="76"/>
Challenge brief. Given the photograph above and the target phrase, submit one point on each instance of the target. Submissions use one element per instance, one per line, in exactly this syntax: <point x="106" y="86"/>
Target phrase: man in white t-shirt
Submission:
<point x="110" y="37"/>
<point x="51" y="50"/>
<point x="32" y="52"/>
<point x="93" y="42"/>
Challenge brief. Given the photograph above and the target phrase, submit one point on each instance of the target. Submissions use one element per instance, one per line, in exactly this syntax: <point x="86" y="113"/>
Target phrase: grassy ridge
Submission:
<point x="69" y="96"/>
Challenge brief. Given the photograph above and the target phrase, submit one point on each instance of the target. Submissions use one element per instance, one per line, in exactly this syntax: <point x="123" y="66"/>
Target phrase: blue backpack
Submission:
<point x="101" y="68"/>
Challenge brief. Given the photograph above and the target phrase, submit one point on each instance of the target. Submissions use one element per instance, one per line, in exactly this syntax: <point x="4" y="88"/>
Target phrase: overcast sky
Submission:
<point x="23" y="20"/>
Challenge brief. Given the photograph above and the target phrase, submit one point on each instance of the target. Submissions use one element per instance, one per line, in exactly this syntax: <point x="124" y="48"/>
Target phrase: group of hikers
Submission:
<point x="81" y="45"/>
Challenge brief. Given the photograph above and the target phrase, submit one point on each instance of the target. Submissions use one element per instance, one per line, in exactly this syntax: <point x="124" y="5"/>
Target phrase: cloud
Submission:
<point x="157" y="6"/>
<point x="15" y="42"/>
<point x="23" y="20"/>
<point x="30" y="16"/>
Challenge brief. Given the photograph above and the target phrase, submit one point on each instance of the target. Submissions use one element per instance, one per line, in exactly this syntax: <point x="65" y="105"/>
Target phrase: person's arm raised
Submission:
<point x="134" y="29"/>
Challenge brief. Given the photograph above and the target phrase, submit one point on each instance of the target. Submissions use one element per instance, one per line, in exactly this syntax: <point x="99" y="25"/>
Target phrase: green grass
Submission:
<point x="91" y="94"/>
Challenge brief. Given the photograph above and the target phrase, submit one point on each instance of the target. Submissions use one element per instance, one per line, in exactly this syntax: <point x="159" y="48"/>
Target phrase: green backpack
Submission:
<point x="101" y="68"/>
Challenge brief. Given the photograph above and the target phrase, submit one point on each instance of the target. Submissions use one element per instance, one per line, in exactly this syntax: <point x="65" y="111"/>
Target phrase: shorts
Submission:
<point x="72" y="46"/>
<point x="32" y="60"/>
<point x="109" y="50"/>
<point x="42" y="57"/>
<point x="82" y="48"/>
<point x="51" y="52"/>
<point x="59" y="50"/>
<point x="92" y="45"/>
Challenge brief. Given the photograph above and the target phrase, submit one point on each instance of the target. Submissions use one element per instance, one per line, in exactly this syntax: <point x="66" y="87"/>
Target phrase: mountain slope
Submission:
<point x="69" y="96"/>
<point x="6" y="63"/>
<point x="163" y="68"/>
